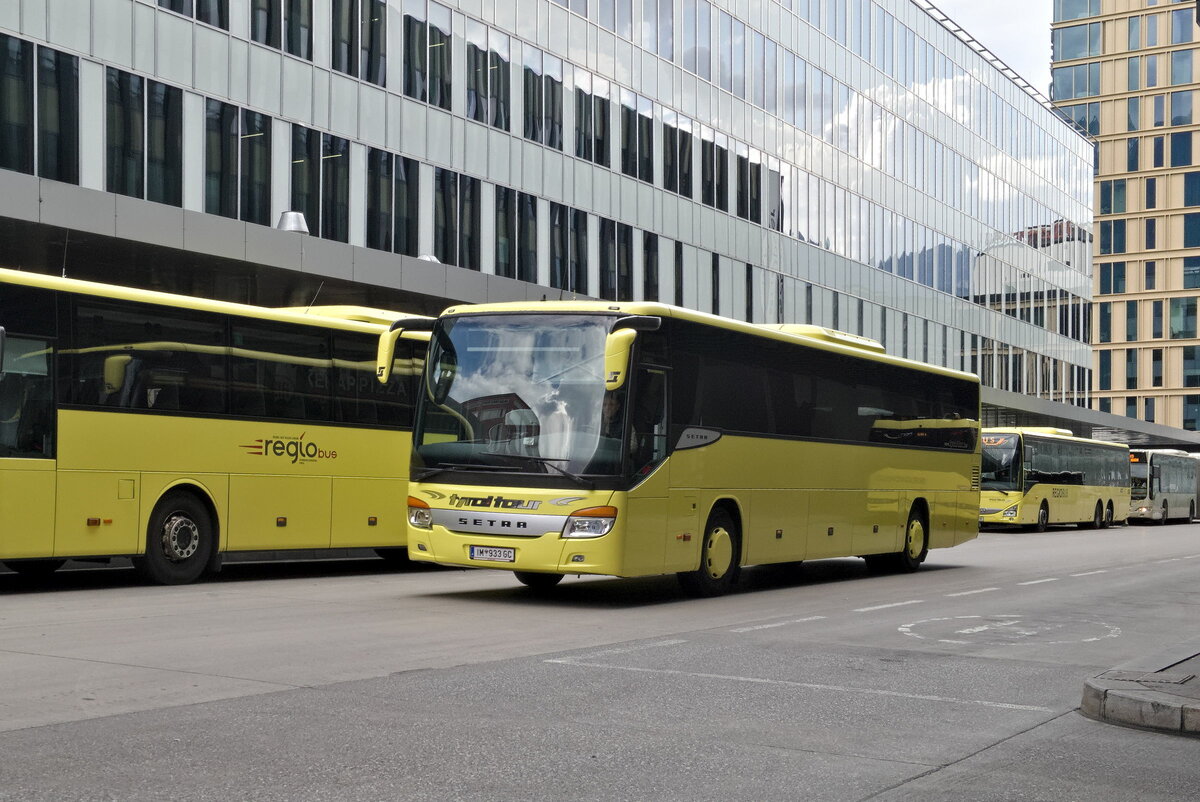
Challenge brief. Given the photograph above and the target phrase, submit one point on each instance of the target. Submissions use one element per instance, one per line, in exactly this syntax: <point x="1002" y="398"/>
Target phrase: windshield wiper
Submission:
<point x="453" y="466"/>
<point x="549" y="463"/>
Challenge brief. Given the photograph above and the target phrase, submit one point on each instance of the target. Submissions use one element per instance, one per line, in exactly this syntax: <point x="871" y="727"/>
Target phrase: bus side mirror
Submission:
<point x="386" y="353"/>
<point x="617" y="347"/>
<point x="619" y="344"/>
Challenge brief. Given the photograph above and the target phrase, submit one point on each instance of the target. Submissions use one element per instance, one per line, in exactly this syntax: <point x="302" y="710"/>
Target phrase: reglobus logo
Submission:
<point x="295" y="448"/>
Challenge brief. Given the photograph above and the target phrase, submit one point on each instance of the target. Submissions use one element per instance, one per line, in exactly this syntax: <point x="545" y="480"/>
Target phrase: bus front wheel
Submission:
<point x="537" y="581"/>
<point x="179" y="541"/>
<point x="719" y="558"/>
<point x="1043" y="519"/>
<point x="1165" y="515"/>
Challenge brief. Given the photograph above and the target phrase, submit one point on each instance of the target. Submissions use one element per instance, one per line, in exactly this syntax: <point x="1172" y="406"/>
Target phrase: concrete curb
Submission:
<point x="1157" y="692"/>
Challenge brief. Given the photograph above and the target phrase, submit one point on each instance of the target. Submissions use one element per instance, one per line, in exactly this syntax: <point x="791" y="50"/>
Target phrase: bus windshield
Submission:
<point x="519" y="393"/>
<point x="1001" y="462"/>
<point x="1139" y="473"/>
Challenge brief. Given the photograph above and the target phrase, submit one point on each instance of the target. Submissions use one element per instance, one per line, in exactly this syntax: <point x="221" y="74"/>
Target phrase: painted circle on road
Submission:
<point x="1009" y="630"/>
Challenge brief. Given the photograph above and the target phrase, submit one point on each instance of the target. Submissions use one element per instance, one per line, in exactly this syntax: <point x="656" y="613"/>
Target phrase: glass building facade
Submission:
<point x="857" y="164"/>
<point x="1126" y="75"/>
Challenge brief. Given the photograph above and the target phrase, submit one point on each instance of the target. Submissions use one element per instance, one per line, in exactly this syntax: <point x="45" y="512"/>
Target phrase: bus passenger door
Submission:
<point x="26" y="508"/>
<point x="646" y="547"/>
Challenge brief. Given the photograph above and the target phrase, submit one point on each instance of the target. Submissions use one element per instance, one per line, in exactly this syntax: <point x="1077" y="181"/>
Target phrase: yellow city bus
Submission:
<point x="174" y="430"/>
<point x="633" y="439"/>
<point x="1034" y="477"/>
<point x="1162" y="485"/>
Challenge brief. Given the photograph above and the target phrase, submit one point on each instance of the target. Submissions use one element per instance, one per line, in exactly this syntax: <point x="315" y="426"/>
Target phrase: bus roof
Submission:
<point x="1050" y="433"/>
<point x="810" y="336"/>
<point x="353" y="318"/>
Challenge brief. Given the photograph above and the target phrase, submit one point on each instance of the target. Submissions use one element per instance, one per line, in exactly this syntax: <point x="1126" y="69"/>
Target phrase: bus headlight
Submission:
<point x="419" y="514"/>
<point x="1011" y="512"/>
<point x="592" y="522"/>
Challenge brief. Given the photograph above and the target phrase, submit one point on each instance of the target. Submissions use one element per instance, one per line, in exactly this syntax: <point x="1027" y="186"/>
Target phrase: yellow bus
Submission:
<point x="1162" y="485"/>
<point x="174" y="430"/>
<point x="1035" y="477"/>
<point x="634" y="439"/>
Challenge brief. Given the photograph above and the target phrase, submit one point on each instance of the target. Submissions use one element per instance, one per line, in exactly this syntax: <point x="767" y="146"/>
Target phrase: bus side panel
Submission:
<point x="950" y="515"/>
<point x="882" y="530"/>
<point x="279" y="512"/>
<point x="27" y="508"/>
<point x="96" y="514"/>
<point x="833" y="517"/>
<point x="357" y="501"/>
<point x="775" y="530"/>
<point x="683" y="530"/>
<point x="645" y="545"/>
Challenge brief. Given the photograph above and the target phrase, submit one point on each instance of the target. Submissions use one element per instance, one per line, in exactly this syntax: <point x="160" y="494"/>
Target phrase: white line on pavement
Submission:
<point x="1039" y="581"/>
<point x="885" y="606"/>
<point x="807" y="685"/>
<point x="779" y="624"/>
<point x="972" y="592"/>
<point x="1169" y="560"/>
<point x="624" y="650"/>
<point x="1089" y="573"/>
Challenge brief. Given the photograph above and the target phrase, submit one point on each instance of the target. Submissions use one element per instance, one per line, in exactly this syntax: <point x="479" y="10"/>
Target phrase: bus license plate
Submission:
<point x="495" y="554"/>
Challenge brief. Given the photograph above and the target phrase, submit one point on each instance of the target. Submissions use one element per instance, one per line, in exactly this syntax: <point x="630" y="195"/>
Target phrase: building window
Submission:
<point x="237" y="163"/>
<point x="1191" y="411"/>
<point x="1156" y="367"/>
<point x="1112" y="196"/>
<point x="392" y="202"/>
<point x="210" y="12"/>
<point x="1191" y="365"/>
<point x="1151" y="238"/>
<point x="57" y="153"/>
<point x="1132" y="157"/>
<point x="321" y="182"/>
<point x="1181" y="108"/>
<point x="1104" y="323"/>
<point x="477" y="72"/>
<point x="456" y="219"/>
<point x="1082" y="80"/>
<point x="749" y="184"/>
<point x="677" y="155"/>
<point x="678" y="273"/>
<point x="1191" y="272"/>
<point x="1112" y="236"/>
<point x="716" y="285"/>
<point x="560" y="246"/>
<point x="427" y="54"/>
<point x="516" y="234"/>
<point x="1182" y="22"/>
<point x="1131" y="320"/>
<point x="714" y="169"/>
<point x="1075" y="41"/>
<point x="144" y="128"/>
<point x="1181" y="149"/>
<point x="1150" y="410"/>
<point x="286" y="23"/>
<point x="649" y="266"/>
<point x="1151" y="193"/>
<point x="1156" y="319"/>
<point x="579" y="252"/>
<point x="499" y="79"/>
<point x="1183" y="318"/>
<point x="1105" y="378"/>
<point x="1150" y="276"/>
<point x="1191" y="230"/>
<point x="637" y="136"/>
<point x="359" y="37"/>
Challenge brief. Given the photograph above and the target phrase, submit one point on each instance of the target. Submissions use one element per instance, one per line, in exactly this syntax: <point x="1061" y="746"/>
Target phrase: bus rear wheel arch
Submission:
<point x="181" y="539"/>
<point x="720" y="556"/>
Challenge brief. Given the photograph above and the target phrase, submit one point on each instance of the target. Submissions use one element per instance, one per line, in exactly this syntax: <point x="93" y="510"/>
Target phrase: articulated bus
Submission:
<point x="174" y="430"/>
<point x="1162" y="485"/>
<point x="1034" y="477"/>
<point x="633" y="439"/>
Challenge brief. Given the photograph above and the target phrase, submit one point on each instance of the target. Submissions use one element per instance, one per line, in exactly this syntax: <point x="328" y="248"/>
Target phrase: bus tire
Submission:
<point x="537" y="580"/>
<point x="1108" y="515"/>
<point x="916" y="543"/>
<point x="1191" y="511"/>
<point x="1043" y="519"/>
<point x="720" y="556"/>
<point x="35" y="569"/>
<point x="179" y="540"/>
<point x="1165" y="515"/>
<point x="1097" y="518"/>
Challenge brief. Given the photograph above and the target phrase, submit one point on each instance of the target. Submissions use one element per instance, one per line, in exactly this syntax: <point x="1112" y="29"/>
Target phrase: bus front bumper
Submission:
<point x="547" y="553"/>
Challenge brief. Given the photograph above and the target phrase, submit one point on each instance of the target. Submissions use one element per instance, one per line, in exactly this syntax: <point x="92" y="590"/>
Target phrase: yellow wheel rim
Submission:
<point x="916" y="538"/>
<point x="718" y="552"/>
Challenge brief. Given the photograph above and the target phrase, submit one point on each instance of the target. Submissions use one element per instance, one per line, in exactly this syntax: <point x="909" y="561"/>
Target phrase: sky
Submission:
<point x="1017" y="31"/>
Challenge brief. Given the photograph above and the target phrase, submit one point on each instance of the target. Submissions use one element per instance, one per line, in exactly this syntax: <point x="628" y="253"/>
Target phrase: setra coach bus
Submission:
<point x="632" y="439"/>
<point x="173" y="430"/>
<point x="1162" y="485"/>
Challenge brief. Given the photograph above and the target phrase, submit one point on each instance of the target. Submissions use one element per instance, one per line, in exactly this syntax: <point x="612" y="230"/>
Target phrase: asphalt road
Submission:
<point x="342" y="680"/>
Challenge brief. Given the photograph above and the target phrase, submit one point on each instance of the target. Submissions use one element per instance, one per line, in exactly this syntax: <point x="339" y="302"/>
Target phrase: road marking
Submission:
<point x="813" y="686"/>
<point x="985" y="627"/>
<point x="1169" y="560"/>
<point x="1090" y="573"/>
<point x="779" y="624"/>
<point x="1191" y="556"/>
<point x="1039" y="581"/>
<point x="886" y="606"/>
<point x="624" y="650"/>
<point x="972" y="592"/>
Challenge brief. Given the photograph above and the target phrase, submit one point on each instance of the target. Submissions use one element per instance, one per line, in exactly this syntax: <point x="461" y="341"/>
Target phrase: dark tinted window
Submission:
<point x="280" y="372"/>
<point x="358" y="397"/>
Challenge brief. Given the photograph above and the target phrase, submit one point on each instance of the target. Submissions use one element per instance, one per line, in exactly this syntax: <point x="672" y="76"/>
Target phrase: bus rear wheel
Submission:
<point x="1108" y="515"/>
<point x="720" y="556"/>
<point x="179" y="541"/>
<point x="916" y="543"/>
<point x="537" y="581"/>
<point x="35" y="568"/>
<point x="1097" y="518"/>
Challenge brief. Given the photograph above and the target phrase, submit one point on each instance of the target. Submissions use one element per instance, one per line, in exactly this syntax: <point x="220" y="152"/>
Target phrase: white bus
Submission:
<point x="1162" y="485"/>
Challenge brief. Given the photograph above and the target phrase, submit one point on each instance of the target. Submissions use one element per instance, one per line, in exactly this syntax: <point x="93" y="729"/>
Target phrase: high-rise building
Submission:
<point x="1125" y="73"/>
<point x="859" y="164"/>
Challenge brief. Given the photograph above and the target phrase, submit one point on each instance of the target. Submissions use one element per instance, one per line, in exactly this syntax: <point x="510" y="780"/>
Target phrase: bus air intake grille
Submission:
<point x="975" y="478"/>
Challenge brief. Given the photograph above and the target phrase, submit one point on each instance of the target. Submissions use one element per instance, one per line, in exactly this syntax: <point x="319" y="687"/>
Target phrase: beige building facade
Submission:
<point x="1125" y="72"/>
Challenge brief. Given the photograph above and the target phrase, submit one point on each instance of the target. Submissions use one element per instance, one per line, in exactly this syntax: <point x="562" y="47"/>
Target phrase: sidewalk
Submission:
<point x="1157" y="692"/>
